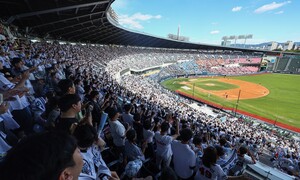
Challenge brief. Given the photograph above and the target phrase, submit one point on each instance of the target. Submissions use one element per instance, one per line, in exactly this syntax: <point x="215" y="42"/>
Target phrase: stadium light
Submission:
<point x="241" y="37"/>
<point x="249" y="36"/>
<point x="232" y="37"/>
<point x="225" y="38"/>
<point x="236" y="37"/>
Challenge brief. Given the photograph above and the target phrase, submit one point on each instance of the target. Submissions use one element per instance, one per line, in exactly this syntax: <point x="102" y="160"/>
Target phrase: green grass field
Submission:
<point x="281" y="104"/>
<point x="217" y="85"/>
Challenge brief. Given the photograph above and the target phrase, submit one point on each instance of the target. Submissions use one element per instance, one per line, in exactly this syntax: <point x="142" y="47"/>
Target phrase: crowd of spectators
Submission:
<point x="50" y="90"/>
<point x="211" y="64"/>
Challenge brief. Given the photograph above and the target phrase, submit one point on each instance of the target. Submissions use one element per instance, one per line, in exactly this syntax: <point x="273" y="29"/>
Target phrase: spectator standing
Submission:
<point x="117" y="130"/>
<point x="163" y="141"/>
<point x="184" y="158"/>
<point x="126" y="116"/>
<point x="132" y="151"/>
<point x="148" y="135"/>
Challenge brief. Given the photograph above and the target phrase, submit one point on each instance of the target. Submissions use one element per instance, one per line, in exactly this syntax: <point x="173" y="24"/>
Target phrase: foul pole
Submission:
<point x="237" y="103"/>
<point x="193" y="90"/>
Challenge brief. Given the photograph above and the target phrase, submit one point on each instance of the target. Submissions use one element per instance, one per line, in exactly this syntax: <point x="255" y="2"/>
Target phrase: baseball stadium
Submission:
<point x="83" y="96"/>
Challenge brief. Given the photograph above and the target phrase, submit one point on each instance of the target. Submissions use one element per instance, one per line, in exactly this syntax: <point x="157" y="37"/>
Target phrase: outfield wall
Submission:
<point x="270" y="121"/>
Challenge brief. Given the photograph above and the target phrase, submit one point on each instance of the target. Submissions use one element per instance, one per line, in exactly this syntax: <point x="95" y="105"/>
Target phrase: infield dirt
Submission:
<point x="248" y="90"/>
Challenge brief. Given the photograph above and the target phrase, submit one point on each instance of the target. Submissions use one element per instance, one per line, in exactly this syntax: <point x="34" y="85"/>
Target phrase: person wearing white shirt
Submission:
<point x="117" y="131"/>
<point x="163" y="141"/>
<point x="184" y="158"/>
<point x="20" y="106"/>
<point x="208" y="169"/>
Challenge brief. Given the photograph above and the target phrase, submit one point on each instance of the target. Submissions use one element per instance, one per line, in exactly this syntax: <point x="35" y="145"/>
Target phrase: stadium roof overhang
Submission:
<point x="86" y="21"/>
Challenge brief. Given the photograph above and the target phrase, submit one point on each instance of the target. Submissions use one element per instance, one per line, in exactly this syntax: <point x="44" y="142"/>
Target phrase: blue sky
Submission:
<point x="207" y="21"/>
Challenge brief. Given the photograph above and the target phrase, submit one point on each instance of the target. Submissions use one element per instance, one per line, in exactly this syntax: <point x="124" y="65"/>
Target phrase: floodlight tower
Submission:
<point x="235" y="38"/>
<point x="241" y="37"/>
<point x="249" y="36"/>
<point x="225" y="39"/>
<point x="231" y="38"/>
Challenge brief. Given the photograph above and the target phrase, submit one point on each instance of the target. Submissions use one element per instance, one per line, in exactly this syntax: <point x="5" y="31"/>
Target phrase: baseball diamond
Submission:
<point x="262" y="96"/>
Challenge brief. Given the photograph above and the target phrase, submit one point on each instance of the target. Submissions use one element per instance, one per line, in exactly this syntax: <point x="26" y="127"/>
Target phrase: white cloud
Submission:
<point x="236" y="9"/>
<point x="215" y="32"/>
<point x="144" y="17"/>
<point x="271" y="6"/>
<point x="135" y="20"/>
<point x="279" y="12"/>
